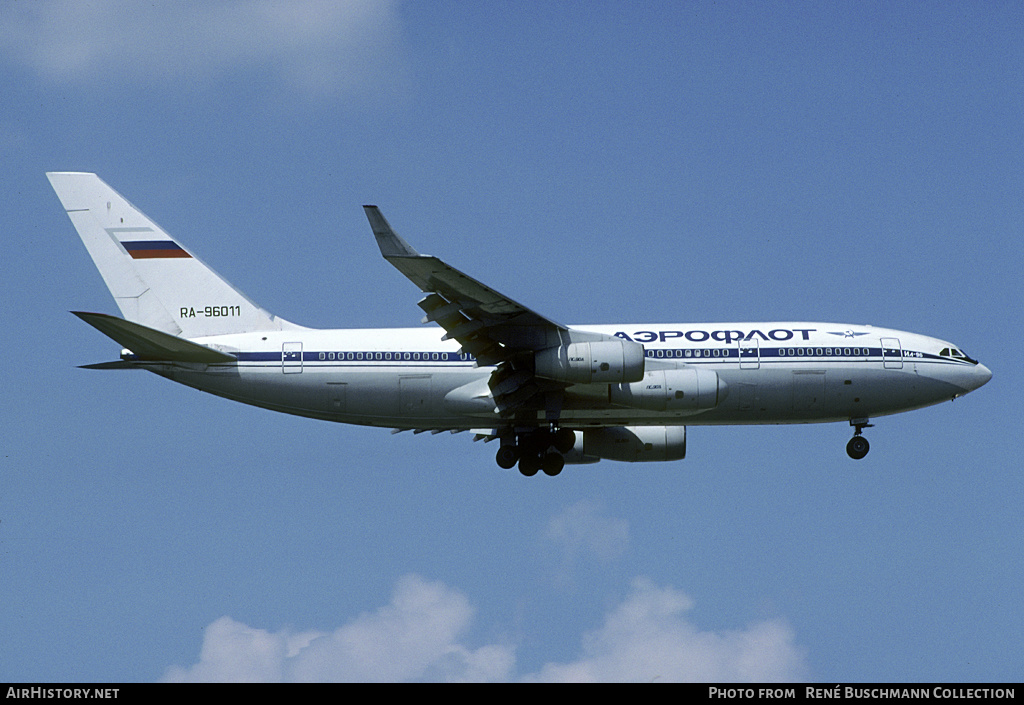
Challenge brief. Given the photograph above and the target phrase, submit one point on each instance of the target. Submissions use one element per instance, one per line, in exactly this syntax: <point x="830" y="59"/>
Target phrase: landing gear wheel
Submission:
<point x="553" y="464"/>
<point x="858" y="447"/>
<point x="529" y="465"/>
<point x="563" y="440"/>
<point x="507" y="457"/>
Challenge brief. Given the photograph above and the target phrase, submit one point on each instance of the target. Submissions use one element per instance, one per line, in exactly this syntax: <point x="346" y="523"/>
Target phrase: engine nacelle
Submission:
<point x="604" y="362"/>
<point x="691" y="389"/>
<point x="629" y="444"/>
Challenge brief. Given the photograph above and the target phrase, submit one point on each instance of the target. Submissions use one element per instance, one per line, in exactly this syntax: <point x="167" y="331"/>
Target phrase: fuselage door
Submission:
<point x="750" y="354"/>
<point x="414" y="395"/>
<point x="291" y="357"/>
<point x="892" y="354"/>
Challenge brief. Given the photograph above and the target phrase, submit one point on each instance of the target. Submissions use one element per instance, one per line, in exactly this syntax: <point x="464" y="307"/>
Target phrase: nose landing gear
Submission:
<point x="858" y="446"/>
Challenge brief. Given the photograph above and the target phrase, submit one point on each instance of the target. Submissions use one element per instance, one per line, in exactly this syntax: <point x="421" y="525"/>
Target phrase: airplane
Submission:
<point x="549" y="393"/>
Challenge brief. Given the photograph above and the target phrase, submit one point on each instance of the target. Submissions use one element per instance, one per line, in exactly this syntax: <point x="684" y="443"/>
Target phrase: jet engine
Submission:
<point x="689" y="389"/>
<point x="630" y="444"/>
<point x="604" y="362"/>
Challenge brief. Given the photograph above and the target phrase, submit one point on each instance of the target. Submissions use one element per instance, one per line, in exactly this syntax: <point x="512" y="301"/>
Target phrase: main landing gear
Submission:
<point x="538" y="450"/>
<point x="858" y="446"/>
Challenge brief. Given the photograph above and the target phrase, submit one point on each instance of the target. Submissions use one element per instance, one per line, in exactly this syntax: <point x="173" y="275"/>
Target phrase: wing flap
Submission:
<point x="150" y="344"/>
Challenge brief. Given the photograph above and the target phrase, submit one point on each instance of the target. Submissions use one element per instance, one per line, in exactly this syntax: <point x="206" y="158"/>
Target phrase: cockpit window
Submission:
<point x="957" y="355"/>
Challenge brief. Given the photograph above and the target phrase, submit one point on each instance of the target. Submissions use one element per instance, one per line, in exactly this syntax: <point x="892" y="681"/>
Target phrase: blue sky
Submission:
<point x="599" y="162"/>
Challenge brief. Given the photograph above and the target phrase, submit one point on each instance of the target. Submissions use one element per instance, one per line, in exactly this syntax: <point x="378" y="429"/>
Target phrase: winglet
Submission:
<point x="390" y="243"/>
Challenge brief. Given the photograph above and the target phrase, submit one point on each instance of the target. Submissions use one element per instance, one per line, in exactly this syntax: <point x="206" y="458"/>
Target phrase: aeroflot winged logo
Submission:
<point x="845" y="333"/>
<point x="722" y="336"/>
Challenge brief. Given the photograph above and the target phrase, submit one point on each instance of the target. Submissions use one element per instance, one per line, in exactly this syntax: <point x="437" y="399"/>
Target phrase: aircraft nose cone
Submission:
<point x="978" y="377"/>
<point x="983" y="375"/>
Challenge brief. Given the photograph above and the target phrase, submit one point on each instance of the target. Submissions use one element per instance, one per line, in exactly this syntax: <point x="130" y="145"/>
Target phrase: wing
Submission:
<point x="489" y="325"/>
<point x="498" y="331"/>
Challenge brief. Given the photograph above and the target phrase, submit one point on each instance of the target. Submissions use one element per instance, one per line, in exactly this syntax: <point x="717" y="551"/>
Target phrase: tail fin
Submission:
<point x="155" y="281"/>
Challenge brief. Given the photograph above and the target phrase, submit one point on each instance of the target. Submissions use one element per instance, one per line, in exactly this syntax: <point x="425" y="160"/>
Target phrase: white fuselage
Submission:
<point x="769" y="373"/>
<point x="551" y="394"/>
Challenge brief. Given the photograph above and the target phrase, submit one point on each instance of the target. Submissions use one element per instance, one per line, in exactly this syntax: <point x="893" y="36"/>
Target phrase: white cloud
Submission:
<point x="415" y="637"/>
<point x="233" y="652"/>
<point x="648" y="638"/>
<point x="581" y="531"/>
<point x="315" y="46"/>
<point x="418" y="636"/>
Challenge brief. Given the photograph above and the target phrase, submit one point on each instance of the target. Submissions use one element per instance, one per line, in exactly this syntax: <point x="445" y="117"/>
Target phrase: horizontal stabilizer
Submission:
<point x="115" y="365"/>
<point x="151" y="344"/>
